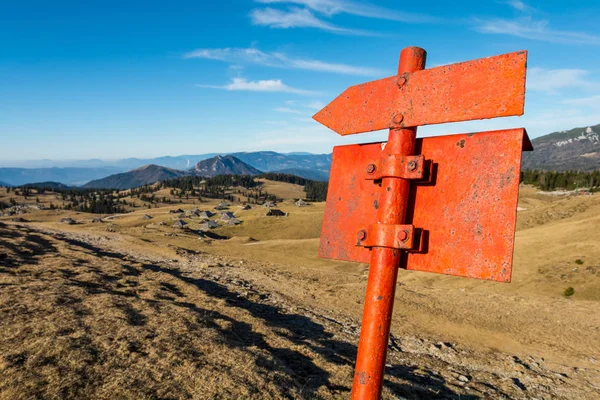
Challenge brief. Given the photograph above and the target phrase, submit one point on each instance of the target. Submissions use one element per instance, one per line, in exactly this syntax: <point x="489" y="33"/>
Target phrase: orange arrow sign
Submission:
<point x="478" y="89"/>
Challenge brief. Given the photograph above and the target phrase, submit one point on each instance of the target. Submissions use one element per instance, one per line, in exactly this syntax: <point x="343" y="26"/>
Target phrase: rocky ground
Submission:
<point x="84" y="315"/>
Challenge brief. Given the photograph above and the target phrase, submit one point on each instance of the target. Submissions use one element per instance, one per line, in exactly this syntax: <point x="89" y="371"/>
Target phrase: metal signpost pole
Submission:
<point x="460" y="190"/>
<point x="383" y="271"/>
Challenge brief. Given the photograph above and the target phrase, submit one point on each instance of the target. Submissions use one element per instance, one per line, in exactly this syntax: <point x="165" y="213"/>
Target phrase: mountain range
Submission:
<point x="148" y="174"/>
<point x="223" y="165"/>
<point x="576" y="149"/>
<point x="77" y="173"/>
<point x="138" y="177"/>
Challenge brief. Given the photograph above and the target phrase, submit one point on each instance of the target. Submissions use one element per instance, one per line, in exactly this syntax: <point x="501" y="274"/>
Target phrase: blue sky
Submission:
<point x="114" y="79"/>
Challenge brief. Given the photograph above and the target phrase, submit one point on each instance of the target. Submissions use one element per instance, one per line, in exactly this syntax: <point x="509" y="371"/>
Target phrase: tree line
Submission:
<point x="567" y="180"/>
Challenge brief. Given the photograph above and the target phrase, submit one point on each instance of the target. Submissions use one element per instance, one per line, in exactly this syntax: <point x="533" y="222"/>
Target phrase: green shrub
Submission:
<point x="569" y="292"/>
<point x="578" y="261"/>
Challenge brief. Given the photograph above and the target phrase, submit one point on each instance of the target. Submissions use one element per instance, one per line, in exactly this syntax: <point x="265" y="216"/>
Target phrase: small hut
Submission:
<point x="193" y="212"/>
<point x="180" y="224"/>
<point x="97" y="220"/>
<point x="226" y="216"/>
<point x="178" y="211"/>
<point x="209" y="225"/>
<point x="269" y="204"/>
<point x="301" y="203"/>
<point x="246" y="207"/>
<point x="234" y="221"/>
<point x="147" y="217"/>
<point x="222" y="206"/>
<point x="68" y="221"/>
<point x="206" y="214"/>
<point x="276" y="213"/>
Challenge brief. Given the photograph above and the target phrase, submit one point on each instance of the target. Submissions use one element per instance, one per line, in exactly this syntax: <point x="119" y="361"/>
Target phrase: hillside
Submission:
<point x="69" y="176"/>
<point x="576" y="149"/>
<point x="142" y="176"/>
<point x="259" y="315"/>
<point x="315" y="175"/>
<point x="271" y="161"/>
<point x="223" y="165"/>
<point x="48" y="185"/>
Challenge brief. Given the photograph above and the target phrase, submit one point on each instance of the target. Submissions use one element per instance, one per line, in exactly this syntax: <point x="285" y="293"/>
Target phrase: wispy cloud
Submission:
<point x="278" y="60"/>
<point x="298" y="18"/>
<point x="315" y="105"/>
<point x="584" y="101"/>
<point x="518" y="5"/>
<point x="306" y="109"/>
<point x="530" y="28"/>
<point x="359" y="8"/>
<point x="270" y="85"/>
<point x="553" y="80"/>
<point x="288" y="110"/>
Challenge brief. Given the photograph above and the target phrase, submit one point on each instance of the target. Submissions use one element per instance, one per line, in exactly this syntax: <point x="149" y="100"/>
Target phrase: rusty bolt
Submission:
<point x="371" y="168"/>
<point x="403" y="236"/>
<point x="398" y="119"/>
<point x="362" y="235"/>
<point x="412" y="165"/>
<point x="401" y="81"/>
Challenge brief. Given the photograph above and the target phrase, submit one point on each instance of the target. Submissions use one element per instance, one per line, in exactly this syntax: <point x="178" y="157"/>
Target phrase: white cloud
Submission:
<point x="297" y="18"/>
<point x="529" y="28"/>
<point x="305" y="109"/>
<point x="552" y="80"/>
<point x="315" y="105"/>
<point x="270" y="85"/>
<point x="518" y="5"/>
<point x="584" y="101"/>
<point x="288" y="110"/>
<point x="277" y="60"/>
<point x="359" y="8"/>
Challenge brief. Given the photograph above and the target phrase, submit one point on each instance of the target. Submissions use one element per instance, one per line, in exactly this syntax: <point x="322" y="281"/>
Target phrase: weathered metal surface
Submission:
<point x="392" y="165"/>
<point x="382" y="235"/>
<point x="466" y="215"/>
<point x="478" y="89"/>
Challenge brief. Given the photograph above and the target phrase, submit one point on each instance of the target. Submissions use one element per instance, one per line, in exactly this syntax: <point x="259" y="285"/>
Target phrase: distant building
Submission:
<point x="276" y="213"/>
<point x="68" y="221"/>
<point x="227" y="216"/>
<point x="209" y="225"/>
<point x="222" y="206"/>
<point x="193" y="213"/>
<point x="234" y="221"/>
<point x="206" y="214"/>
<point x="147" y="217"/>
<point x="301" y="203"/>
<point x="180" y="224"/>
<point x="269" y="204"/>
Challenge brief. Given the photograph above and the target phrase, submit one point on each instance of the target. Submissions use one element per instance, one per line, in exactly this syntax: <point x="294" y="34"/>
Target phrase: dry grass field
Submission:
<point x="135" y="308"/>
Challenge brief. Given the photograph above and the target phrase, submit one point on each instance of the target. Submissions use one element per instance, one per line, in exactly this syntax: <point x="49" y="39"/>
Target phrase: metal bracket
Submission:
<point x="382" y="235"/>
<point x="395" y="166"/>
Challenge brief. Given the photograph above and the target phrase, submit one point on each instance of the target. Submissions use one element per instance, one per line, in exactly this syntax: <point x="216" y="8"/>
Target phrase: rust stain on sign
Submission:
<point x="478" y="89"/>
<point x="465" y="215"/>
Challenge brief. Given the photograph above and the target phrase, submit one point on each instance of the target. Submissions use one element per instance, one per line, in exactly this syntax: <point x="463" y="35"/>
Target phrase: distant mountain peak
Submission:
<point x="145" y="175"/>
<point x="575" y="149"/>
<point x="223" y="165"/>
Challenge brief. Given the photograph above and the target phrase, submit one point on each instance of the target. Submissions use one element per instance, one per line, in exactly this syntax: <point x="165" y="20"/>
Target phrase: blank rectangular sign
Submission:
<point x="466" y="214"/>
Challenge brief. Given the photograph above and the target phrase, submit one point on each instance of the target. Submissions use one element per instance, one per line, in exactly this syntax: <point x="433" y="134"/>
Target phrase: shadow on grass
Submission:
<point x="297" y="372"/>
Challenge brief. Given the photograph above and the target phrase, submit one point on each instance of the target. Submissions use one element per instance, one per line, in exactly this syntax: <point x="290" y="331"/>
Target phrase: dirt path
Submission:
<point x="89" y="316"/>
